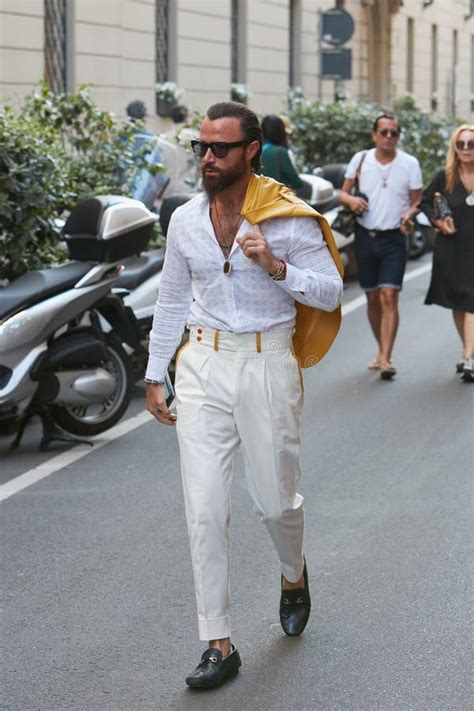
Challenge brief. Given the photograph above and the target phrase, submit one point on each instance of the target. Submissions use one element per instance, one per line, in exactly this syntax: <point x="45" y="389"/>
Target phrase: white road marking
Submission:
<point x="63" y="460"/>
<point x="32" y="476"/>
<point x="361" y="300"/>
<point x="354" y="304"/>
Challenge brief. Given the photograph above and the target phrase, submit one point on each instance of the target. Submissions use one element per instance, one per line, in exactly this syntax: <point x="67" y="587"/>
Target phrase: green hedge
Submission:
<point x="332" y="132"/>
<point x="58" y="149"/>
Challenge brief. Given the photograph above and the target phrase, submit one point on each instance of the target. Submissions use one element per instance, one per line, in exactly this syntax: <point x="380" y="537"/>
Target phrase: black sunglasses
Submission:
<point x="389" y="132"/>
<point x="469" y="145"/>
<point x="219" y="148"/>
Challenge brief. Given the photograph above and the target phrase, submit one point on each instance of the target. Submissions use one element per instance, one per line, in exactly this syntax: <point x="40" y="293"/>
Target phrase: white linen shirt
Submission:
<point x="386" y="205"/>
<point x="195" y="290"/>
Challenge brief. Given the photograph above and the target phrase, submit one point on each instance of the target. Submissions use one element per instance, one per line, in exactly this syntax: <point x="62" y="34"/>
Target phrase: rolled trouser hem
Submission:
<point x="398" y="287"/>
<point x="292" y="574"/>
<point x="217" y="628"/>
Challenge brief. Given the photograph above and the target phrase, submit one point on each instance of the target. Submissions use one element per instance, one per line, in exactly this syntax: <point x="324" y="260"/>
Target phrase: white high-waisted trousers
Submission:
<point x="231" y="390"/>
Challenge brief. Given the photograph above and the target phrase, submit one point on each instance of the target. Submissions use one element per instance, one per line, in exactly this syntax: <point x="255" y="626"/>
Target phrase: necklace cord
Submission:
<point x="225" y="245"/>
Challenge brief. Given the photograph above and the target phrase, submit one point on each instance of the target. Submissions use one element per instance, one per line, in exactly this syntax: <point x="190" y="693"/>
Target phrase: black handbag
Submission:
<point x="441" y="208"/>
<point x="347" y="219"/>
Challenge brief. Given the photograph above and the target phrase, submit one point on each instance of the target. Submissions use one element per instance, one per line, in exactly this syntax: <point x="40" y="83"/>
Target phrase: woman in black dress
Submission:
<point x="452" y="278"/>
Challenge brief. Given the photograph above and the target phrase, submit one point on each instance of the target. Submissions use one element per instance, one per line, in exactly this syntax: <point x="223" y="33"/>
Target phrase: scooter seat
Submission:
<point x="139" y="269"/>
<point x="325" y="205"/>
<point x="34" y="287"/>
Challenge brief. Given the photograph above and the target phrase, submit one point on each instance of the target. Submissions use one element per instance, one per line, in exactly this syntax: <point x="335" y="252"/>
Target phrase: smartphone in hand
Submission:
<point x="169" y="389"/>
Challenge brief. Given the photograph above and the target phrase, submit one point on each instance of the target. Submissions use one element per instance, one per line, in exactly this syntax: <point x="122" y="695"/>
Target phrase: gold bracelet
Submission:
<point x="280" y="273"/>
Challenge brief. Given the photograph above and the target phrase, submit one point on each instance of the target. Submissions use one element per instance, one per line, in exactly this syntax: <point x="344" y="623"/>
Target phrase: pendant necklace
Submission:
<point x="226" y="246"/>
<point x="384" y="177"/>
<point x="470" y="193"/>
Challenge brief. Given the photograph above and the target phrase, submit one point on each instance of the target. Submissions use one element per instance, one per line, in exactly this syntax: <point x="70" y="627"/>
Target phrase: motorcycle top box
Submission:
<point x="107" y="228"/>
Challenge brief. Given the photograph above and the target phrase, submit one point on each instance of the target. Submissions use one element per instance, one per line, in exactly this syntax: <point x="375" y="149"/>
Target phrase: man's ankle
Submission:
<point x="293" y="586"/>
<point x="223" y="645"/>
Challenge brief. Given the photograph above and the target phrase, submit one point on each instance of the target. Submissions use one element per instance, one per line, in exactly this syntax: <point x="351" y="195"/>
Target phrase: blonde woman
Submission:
<point x="452" y="278"/>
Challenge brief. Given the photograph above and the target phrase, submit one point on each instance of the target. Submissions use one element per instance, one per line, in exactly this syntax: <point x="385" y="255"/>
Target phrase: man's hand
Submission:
<point x="406" y="224"/>
<point x="255" y="247"/>
<point x="446" y="226"/>
<point x="357" y="204"/>
<point x="156" y="404"/>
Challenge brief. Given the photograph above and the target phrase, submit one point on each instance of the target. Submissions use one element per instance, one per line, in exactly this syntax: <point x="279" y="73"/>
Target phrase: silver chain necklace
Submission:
<point x="379" y="171"/>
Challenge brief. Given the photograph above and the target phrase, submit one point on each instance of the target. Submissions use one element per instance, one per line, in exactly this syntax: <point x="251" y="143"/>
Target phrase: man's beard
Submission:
<point x="214" y="184"/>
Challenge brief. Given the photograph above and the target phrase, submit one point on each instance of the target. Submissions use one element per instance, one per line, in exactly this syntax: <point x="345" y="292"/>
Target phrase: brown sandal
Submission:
<point x="387" y="371"/>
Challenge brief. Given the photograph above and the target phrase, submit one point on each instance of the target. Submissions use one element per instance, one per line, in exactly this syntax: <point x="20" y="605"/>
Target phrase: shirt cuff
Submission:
<point x="295" y="279"/>
<point x="156" y="368"/>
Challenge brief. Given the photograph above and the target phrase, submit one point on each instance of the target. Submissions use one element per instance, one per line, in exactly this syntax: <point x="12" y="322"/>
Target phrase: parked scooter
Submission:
<point x="141" y="275"/>
<point x="325" y="199"/>
<point x="57" y="360"/>
<point x="422" y="237"/>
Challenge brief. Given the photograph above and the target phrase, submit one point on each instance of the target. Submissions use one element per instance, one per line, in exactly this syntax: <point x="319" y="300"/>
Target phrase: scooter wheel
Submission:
<point x="418" y="242"/>
<point x="99" y="417"/>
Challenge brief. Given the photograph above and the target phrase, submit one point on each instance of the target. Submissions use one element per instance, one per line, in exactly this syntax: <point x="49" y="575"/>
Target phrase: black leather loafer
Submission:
<point x="295" y="606"/>
<point x="214" y="669"/>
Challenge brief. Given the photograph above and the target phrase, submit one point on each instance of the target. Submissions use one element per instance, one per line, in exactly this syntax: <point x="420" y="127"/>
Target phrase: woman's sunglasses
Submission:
<point x="219" y="148"/>
<point x="463" y="145"/>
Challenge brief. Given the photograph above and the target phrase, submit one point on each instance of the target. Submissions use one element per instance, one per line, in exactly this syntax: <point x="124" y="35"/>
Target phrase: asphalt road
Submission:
<point x="98" y="604"/>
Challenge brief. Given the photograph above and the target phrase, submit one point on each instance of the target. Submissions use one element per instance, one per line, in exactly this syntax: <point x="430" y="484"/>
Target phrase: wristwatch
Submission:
<point x="153" y="382"/>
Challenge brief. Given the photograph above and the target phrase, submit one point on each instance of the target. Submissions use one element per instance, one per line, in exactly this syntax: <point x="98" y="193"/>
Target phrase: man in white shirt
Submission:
<point x="389" y="187"/>
<point x="237" y="382"/>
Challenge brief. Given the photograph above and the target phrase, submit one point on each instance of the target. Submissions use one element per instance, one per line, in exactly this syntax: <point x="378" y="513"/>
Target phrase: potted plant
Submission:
<point x="168" y="95"/>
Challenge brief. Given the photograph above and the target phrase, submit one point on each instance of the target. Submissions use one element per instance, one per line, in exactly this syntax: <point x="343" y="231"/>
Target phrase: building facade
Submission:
<point x="424" y="48"/>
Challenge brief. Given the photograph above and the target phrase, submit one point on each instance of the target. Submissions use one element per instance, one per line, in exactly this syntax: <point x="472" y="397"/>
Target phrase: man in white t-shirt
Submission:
<point x="387" y="196"/>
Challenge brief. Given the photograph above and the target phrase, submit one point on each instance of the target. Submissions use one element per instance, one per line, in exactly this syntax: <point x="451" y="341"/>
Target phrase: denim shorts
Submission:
<point x="381" y="258"/>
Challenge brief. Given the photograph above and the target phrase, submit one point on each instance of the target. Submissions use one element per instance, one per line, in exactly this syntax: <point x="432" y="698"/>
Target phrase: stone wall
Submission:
<point x="111" y="44"/>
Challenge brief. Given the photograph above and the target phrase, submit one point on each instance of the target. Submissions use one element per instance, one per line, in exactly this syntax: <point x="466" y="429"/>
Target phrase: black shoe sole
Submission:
<point x="386" y="375"/>
<point x="212" y="684"/>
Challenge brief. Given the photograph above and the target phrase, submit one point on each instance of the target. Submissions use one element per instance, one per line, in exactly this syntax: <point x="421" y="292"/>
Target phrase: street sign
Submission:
<point x="336" y="64"/>
<point x="337" y="26"/>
